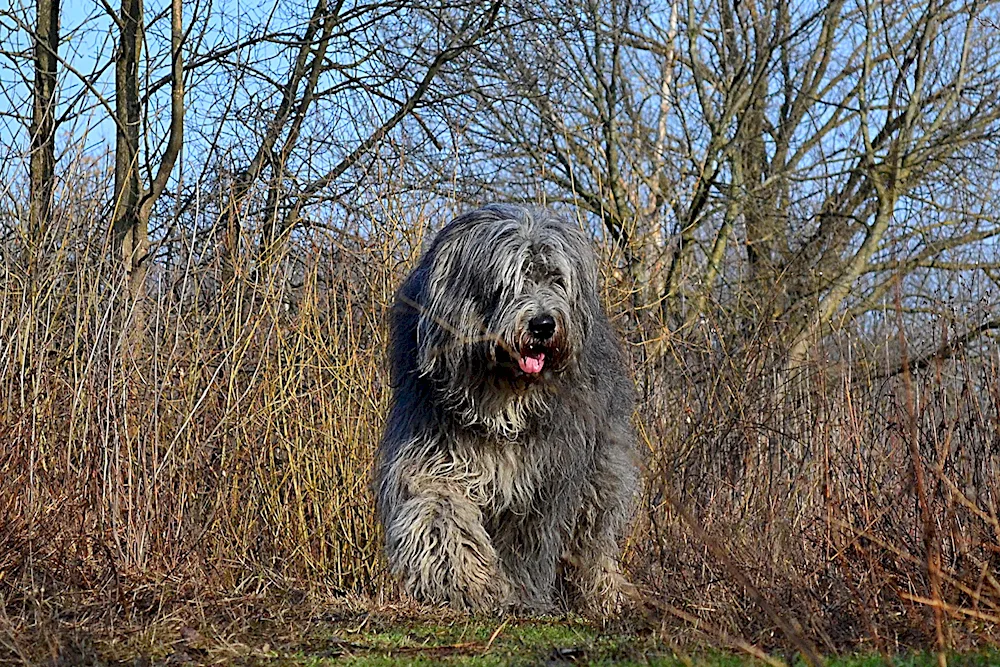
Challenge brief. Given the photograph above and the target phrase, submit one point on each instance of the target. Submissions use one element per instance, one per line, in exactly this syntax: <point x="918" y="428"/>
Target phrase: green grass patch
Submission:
<point x="484" y="642"/>
<point x="320" y="636"/>
<point x="555" y="641"/>
<point x="918" y="659"/>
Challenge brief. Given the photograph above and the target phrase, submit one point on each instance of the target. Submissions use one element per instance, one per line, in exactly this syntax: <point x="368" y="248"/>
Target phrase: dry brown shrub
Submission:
<point x="217" y="436"/>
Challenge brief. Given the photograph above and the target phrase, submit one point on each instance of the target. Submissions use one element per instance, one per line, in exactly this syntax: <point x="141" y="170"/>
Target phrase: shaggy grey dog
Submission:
<point x="507" y="472"/>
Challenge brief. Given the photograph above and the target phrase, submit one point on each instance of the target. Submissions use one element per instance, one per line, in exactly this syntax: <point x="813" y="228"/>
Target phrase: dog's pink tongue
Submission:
<point x="532" y="364"/>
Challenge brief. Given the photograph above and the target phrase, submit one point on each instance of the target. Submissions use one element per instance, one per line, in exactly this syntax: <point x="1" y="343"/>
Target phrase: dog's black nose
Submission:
<point x="542" y="326"/>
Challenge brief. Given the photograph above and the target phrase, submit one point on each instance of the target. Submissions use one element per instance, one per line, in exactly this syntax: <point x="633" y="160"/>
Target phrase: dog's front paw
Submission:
<point x="463" y="588"/>
<point x="608" y="593"/>
<point x="483" y="590"/>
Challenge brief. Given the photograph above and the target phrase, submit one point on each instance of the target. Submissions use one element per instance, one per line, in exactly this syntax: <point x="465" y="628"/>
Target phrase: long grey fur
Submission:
<point x="497" y="487"/>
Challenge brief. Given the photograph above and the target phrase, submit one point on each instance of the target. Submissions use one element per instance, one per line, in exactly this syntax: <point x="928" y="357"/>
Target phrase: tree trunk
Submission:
<point x="43" y="125"/>
<point x="130" y="231"/>
<point x="841" y="286"/>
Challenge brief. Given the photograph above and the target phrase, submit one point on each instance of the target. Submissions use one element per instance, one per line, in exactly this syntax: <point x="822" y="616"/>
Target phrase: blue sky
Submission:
<point x="87" y="44"/>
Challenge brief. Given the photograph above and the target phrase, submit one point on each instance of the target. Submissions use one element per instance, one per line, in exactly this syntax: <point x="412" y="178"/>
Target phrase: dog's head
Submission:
<point x="506" y="301"/>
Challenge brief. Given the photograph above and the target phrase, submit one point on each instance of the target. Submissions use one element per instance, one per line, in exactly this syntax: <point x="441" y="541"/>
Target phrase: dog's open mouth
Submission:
<point x="532" y="360"/>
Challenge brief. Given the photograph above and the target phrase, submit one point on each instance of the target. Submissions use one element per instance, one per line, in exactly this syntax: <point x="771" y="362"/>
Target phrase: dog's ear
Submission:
<point x="404" y="319"/>
<point x="430" y="332"/>
<point x="420" y="321"/>
<point x="441" y="303"/>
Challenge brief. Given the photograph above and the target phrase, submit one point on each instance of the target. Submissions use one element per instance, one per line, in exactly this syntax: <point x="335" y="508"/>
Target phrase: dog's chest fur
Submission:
<point x="504" y="415"/>
<point x="499" y="475"/>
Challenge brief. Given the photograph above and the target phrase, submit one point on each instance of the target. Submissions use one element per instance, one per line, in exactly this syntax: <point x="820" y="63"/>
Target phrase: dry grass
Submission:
<point x="783" y="507"/>
<point x="213" y="442"/>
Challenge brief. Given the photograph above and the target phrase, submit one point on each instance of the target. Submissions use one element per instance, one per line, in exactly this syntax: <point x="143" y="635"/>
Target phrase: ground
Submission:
<point x="310" y="635"/>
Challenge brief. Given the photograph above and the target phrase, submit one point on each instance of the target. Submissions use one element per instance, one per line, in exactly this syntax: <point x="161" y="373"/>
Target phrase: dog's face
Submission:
<point x="508" y="300"/>
<point x="531" y="316"/>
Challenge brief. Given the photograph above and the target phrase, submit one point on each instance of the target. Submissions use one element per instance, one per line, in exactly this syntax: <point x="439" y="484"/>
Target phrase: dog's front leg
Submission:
<point x="606" y="502"/>
<point x="440" y="552"/>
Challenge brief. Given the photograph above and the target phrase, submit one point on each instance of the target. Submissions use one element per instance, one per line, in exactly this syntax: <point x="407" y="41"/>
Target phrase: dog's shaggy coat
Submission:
<point x="506" y="473"/>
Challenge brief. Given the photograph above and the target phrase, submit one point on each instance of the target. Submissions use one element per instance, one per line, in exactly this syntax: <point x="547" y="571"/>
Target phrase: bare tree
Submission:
<point x="778" y="164"/>
<point x="297" y="108"/>
<point x="133" y="203"/>
<point x="319" y="76"/>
